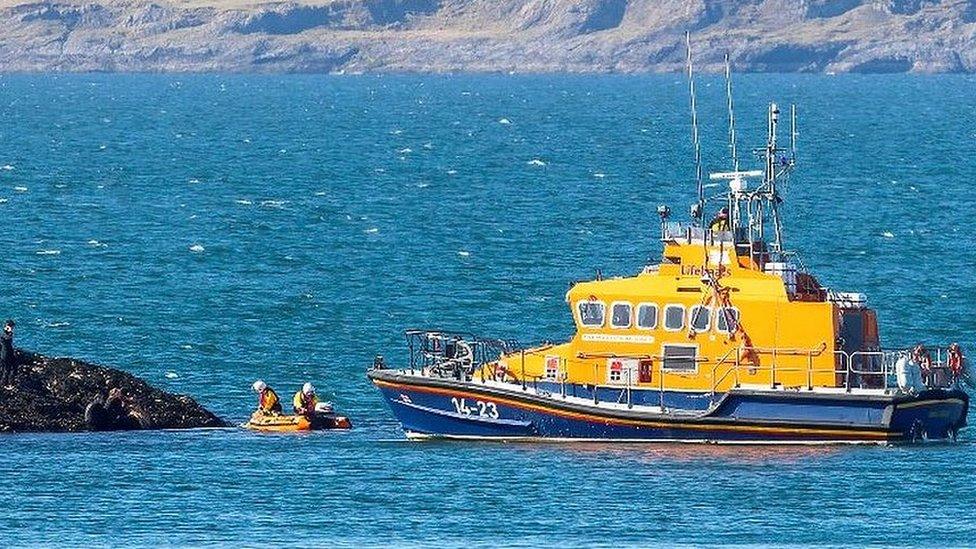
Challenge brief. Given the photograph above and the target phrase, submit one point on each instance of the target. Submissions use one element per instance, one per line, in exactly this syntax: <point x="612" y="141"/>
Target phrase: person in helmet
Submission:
<point x="268" y="401"/>
<point x="305" y="401"/>
<point x="720" y="222"/>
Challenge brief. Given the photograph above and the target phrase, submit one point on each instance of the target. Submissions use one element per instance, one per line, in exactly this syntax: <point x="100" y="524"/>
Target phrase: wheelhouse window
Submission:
<point x="682" y="358"/>
<point x="727" y="319"/>
<point x="591" y="313"/>
<point x="700" y="318"/>
<point x="674" y="318"/>
<point x="620" y="314"/>
<point x="647" y="316"/>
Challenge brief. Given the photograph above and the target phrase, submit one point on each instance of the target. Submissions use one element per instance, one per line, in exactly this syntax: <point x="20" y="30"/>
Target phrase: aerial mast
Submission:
<point x="733" y="202"/>
<point x="771" y="161"/>
<point x="698" y="210"/>
<point x="792" y="135"/>
<point x="728" y="93"/>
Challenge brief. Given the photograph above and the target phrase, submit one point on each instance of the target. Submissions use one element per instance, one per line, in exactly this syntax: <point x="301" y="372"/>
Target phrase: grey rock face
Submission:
<point x="487" y="35"/>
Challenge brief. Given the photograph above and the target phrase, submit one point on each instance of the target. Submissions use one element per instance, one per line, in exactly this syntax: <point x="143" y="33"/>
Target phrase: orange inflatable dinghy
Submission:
<point x="286" y="424"/>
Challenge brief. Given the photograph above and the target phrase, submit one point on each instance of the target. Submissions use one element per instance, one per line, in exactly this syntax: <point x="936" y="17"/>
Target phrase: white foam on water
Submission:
<point x="372" y="230"/>
<point x="58" y="324"/>
<point x="709" y="185"/>
<point x="282" y="151"/>
<point x="396" y="132"/>
<point x="888" y="234"/>
<point x="599" y="175"/>
<point x="320" y="193"/>
<point x="504" y="121"/>
<point x="102" y="147"/>
<point x="380" y="170"/>
<point x="21" y="189"/>
<point x="247" y="140"/>
<point x="244" y="202"/>
<point x="451" y="172"/>
<point x="536" y="162"/>
<point x="3" y="200"/>
<point x="463" y="253"/>
<point x="60" y="186"/>
<point x="422" y="185"/>
<point x="194" y="180"/>
<point x="7" y="167"/>
<point x="96" y="244"/>
<point x="48" y="252"/>
<point x="197" y="248"/>
<point x="172" y="375"/>
<point x="405" y="150"/>
<point x="274" y="203"/>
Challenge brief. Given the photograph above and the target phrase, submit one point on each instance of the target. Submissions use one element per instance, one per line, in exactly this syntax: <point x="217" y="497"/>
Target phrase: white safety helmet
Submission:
<point x="308" y="389"/>
<point x="259" y="386"/>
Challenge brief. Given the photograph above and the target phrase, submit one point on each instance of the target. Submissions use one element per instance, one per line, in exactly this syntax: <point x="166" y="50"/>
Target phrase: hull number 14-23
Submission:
<point x="480" y="408"/>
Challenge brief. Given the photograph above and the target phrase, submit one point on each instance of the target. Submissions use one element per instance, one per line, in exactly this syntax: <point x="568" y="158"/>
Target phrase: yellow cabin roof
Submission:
<point x="681" y="278"/>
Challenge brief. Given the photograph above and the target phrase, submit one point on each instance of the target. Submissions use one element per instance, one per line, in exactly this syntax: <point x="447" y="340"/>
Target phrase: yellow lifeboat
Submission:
<point x="726" y="339"/>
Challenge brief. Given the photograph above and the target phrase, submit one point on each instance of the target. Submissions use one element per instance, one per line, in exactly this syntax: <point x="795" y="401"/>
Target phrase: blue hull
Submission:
<point x="454" y="409"/>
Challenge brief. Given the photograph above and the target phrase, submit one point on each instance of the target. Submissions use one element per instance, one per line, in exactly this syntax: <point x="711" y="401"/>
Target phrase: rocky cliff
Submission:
<point x="51" y="394"/>
<point x="486" y="35"/>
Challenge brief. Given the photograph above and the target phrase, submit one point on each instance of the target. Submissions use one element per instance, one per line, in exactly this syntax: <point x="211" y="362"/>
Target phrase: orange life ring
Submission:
<point x="501" y="373"/>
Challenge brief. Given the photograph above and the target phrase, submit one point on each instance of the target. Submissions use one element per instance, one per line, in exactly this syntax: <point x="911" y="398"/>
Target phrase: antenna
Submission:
<point x="700" y="206"/>
<point x="792" y="134"/>
<point x="728" y="93"/>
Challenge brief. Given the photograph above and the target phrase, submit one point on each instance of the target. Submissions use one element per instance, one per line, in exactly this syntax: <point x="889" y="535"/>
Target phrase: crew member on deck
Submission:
<point x="956" y="362"/>
<point x="922" y="357"/>
<point x="268" y="401"/>
<point x="305" y="401"/>
<point x="720" y="222"/>
<point x="8" y="356"/>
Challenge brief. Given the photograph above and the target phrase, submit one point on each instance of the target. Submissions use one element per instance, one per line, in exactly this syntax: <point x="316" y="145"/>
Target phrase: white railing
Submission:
<point x="861" y="369"/>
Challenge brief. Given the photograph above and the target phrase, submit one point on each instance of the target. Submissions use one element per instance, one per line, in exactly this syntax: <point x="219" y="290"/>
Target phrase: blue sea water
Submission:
<point x="206" y="231"/>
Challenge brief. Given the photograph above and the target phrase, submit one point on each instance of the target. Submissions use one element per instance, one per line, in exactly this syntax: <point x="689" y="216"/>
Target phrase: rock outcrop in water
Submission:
<point x="486" y="35"/>
<point x="51" y="394"/>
